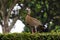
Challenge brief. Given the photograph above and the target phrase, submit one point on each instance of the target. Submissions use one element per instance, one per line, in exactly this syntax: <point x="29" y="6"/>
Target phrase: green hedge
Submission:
<point x="29" y="36"/>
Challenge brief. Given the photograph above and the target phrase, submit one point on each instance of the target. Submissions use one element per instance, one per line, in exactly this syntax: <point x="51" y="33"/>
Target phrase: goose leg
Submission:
<point x="35" y="29"/>
<point x="32" y="30"/>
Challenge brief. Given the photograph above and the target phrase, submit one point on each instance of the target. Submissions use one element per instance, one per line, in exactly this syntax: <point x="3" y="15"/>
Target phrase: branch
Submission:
<point x="5" y="1"/>
<point x="14" y="21"/>
<point x="11" y="7"/>
<point x="2" y="14"/>
<point x="1" y="1"/>
<point x="13" y="4"/>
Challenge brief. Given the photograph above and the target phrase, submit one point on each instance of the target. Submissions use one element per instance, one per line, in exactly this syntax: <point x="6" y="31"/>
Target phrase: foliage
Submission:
<point x="29" y="36"/>
<point x="45" y="11"/>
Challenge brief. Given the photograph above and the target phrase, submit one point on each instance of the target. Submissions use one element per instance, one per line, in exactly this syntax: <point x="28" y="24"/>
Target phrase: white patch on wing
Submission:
<point x="46" y="25"/>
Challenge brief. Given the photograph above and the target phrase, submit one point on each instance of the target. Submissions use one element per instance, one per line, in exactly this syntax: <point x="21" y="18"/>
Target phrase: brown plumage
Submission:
<point x="33" y="22"/>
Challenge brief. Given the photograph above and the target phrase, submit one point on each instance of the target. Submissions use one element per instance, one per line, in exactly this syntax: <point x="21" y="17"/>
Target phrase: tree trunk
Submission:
<point x="5" y="15"/>
<point x="5" y="28"/>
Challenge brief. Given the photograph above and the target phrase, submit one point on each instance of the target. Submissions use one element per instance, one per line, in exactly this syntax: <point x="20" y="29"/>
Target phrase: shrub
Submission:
<point x="29" y="36"/>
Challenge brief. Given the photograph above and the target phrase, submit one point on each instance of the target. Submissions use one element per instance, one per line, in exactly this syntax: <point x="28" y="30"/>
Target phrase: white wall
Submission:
<point x="17" y="28"/>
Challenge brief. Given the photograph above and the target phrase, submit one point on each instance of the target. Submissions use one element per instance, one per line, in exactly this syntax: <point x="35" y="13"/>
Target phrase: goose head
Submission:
<point x="28" y="10"/>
